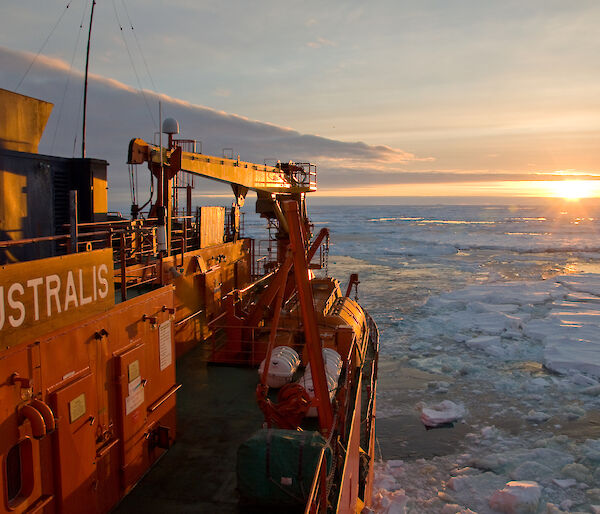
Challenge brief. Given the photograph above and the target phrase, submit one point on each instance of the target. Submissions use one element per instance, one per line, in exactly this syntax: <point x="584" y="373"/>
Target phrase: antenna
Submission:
<point x="85" y="83"/>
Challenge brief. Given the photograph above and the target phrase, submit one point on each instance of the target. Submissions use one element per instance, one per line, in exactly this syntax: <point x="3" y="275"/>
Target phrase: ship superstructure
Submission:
<point x="99" y="311"/>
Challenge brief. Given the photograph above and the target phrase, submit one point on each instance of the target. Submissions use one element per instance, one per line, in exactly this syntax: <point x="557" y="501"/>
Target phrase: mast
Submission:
<point x="85" y="83"/>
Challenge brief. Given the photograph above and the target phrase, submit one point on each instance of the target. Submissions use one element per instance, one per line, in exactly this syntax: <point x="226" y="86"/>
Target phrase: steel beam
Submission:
<point x="309" y="316"/>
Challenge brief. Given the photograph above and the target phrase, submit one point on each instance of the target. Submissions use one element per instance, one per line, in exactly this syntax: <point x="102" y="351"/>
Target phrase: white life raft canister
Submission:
<point x="284" y="363"/>
<point x="333" y="368"/>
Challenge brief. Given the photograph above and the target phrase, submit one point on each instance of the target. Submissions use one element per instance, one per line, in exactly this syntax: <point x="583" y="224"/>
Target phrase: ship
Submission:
<point x="164" y="361"/>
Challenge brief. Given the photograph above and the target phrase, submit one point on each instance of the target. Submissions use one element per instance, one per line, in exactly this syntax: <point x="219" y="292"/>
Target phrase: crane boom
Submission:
<point x="283" y="178"/>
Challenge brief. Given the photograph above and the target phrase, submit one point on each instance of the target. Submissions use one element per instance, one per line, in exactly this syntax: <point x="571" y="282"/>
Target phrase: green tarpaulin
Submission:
<point x="276" y="467"/>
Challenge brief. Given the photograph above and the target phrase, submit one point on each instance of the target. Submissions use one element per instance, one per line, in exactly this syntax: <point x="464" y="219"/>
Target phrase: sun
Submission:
<point x="574" y="189"/>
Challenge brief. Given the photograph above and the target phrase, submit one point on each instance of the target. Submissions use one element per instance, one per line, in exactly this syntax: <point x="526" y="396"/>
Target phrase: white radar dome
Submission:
<point x="170" y="126"/>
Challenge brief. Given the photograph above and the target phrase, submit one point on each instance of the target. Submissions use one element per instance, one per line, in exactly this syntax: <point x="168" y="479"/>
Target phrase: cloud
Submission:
<point x="320" y="42"/>
<point x="118" y="112"/>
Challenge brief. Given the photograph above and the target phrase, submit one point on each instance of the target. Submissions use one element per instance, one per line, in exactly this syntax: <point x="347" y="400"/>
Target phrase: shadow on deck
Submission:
<point x="216" y="412"/>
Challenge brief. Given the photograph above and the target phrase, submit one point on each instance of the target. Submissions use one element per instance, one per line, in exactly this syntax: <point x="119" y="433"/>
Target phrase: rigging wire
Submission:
<point x="132" y="63"/>
<point x="132" y="184"/>
<point x="77" y="127"/>
<point x="139" y="46"/>
<point x="69" y="75"/>
<point x="151" y="195"/>
<point x="43" y="45"/>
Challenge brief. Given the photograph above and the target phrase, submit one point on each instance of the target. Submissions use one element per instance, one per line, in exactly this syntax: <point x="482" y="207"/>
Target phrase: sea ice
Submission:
<point x="453" y="508"/>
<point x="416" y="250"/>
<point x="481" y="342"/>
<point x="470" y="488"/>
<point x="567" y="354"/>
<point x="566" y="505"/>
<point x="441" y="413"/>
<point x="591" y="451"/>
<point x="581" y="283"/>
<point x="440" y="387"/>
<point x="574" y="412"/>
<point x="537" y="416"/>
<point x="389" y="502"/>
<point x="593" y="390"/>
<point x="531" y="471"/>
<point x="521" y="331"/>
<point x="439" y="364"/>
<point x="577" y="471"/>
<point x="593" y="495"/>
<point x="540" y="381"/>
<point x="507" y="461"/>
<point x="565" y="483"/>
<point x="583" y="380"/>
<point x="517" y="498"/>
<point x="552" y="508"/>
<point x="488" y="432"/>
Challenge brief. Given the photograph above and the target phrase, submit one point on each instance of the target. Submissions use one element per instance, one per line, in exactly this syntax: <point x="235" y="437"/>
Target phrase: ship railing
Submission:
<point x="372" y="386"/>
<point x="317" y="497"/>
<point x="303" y="174"/>
<point x="140" y="235"/>
<point x="189" y="145"/>
<point x="183" y="233"/>
<point x="129" y="277"/>
<point x="241" y="345"/>
<point x="230" y="232"/>
<point x="64" y="240"/>
<point x="264" y="261"/>
<point x="134" y="244"/>
<point x="14" y="250"/>
<point x="32" y="240"/>
<point x="103" y="234"/>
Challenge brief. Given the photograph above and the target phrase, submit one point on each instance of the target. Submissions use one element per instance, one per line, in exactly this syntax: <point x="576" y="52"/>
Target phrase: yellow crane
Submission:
<point x="290" y="179"/>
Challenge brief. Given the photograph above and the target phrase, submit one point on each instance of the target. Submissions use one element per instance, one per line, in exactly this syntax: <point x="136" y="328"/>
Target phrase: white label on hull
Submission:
<point x="165" y="346"/>
<point x="134" y="400"/>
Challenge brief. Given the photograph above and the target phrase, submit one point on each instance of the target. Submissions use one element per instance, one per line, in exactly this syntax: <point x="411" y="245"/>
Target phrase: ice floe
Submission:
<point x="441" y="413"/>
<point x="489" y="317"/>
<point x="517" y="498"/>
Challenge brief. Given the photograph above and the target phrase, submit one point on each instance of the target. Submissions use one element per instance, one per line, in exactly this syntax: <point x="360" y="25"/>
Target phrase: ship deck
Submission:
<point x="216" y="412"/>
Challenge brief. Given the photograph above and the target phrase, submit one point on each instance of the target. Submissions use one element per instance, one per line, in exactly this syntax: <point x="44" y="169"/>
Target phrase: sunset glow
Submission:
<point x="565" y="189"/>
<point x="574" y="189"/>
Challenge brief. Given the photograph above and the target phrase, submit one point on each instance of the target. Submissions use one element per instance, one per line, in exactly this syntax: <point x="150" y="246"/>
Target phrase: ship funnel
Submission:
<point x="170" y="126"/>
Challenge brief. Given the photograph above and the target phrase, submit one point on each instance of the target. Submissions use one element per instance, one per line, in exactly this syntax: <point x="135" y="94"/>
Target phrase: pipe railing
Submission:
<point x="317" y="497"/>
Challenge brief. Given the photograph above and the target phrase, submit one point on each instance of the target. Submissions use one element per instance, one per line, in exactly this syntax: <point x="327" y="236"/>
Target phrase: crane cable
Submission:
<point x="43" y="45"/>
<point x="132" y="183"/>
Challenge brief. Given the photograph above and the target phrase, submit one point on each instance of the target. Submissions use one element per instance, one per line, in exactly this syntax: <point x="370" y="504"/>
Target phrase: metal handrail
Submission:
<point x="317" y="498"/>
<point x="31" y="240"/>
